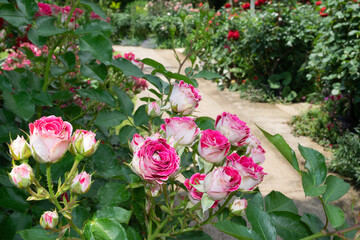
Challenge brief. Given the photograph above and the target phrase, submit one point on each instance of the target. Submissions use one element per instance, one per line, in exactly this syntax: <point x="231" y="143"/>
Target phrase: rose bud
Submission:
<point x="238" y="206"/>
<point x="136" y="142"/>
<point x="233" y="128"/>
<point x="19" y="149"/>
<point x="21" y="176"/>
<point x="155" y="160"/>
<point x="49" y="220"/>
<point x="81" y="183"/>
<point x="219" y="183"/>
<point x="184" y="98"/>
<point x="213" y="146"/>
<point x="193" y="194"/>
<point x="153" y="109"/>
<point x="183" y="129"/>
<point x="83" y="142"/>
<point x="251" y="173"/>
<point x="50" y="138"/>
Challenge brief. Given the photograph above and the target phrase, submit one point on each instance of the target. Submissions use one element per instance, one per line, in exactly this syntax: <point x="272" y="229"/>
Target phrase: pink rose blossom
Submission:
<point x="233" y="128"/>
<point x="49" y="220"/>
<point x="219" y="183"/>
<point x="153" y="109"/>
<point x="193" y="194"/>
<point x="183" y="129"/>
<point x="184" y="98"/>
<point x="83" y="142"/>
<point x="44" y="10"/>
<point x="254" y="150"/>
<point x="136" y="142"/>
<point x="81" y="183"/>
<point x="213" y="146"/>
<point x="21" y="176"/>
<point x="50" y="138"/>
<point x="155" y="160"/>
<point x="251" y="173"/>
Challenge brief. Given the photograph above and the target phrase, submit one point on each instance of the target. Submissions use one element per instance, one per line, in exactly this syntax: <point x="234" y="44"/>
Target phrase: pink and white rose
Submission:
<point x="19" y="149"/>
<point x="83" y="142"/>
<point x="238" y="206"/>
<point x="49" y="220"/>
<point x="213" y="146"/>
<point x="219" y="183"/>
<point x="251" y="173"/>
<point x="136" y="142"/>
<point x="153" y="109"/>
<point x="183" y="129"/>
<point x="50" y="138"/>
<point x="155" y="160"/>
<point x="184" y="98"/>
<point x="193" y="194"/>
<point x="254" y="150"/>
<point x="21" y="176"/>
<point x="81" y="183"/>
<point x="233" y="128"/>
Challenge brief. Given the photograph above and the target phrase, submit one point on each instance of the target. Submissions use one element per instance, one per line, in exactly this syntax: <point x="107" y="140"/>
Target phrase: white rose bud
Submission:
<point x="83" y="142"/>
<point x="21" y="176"/>
<point x="238" y="207"/>
<point x="19" y="149"/>
<point x="49" y="220"/>
<point x="81" y="183"/>
<point x="153" y="109"/>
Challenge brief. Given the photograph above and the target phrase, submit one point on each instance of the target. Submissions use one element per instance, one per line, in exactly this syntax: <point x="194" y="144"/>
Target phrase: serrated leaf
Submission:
<point x="68" y="59"/>
<point x="126" y="133"/>
<point x="20" y="104"/>
<point x="125" y="103"/>
<point x="94" y="7"/>
<point x="98" y="95"/>
<point x="118" y="213"/>
<point x="237" y="230"/>
<point x="12" y="16"/>
<point x="156" y="81"/>
<point x="27" y="8"/>
<point x="104" y="229"/>
<point x="112" y="194"/>
<point x="335" y="188"/>
<point x="95" y="26"/>
<point x="288" y="225"/>
<point x="309" y="186"/>
<point x="205" y="123"/>
<point x="207" y="75"/>
<point x="141" y="117"/>
<point x="127" y="67"/>
<point x="46" y="26"/>
<point x="278" y="202"/>
<point x="153" y="63"/>
<point x="41" y="98"/>
<point x="261" y="222"/>
<point x="41" y="234"/>
<point x="95" y="71"/>
<point x="314" y="223"/>
<point x="206" y="202"/>
<point x="335" y="214"/>
<point x="315" y="163"/>
<point x="109" y="118"/>
<point x="98" y="45"/>
<point x="12" y="198"/>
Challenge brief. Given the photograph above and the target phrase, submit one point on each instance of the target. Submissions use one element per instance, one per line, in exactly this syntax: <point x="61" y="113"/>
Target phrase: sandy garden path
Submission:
<point x="271" y="117"/>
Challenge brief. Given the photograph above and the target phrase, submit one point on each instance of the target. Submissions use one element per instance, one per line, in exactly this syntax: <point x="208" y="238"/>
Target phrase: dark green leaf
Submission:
<point x="118" y="213"/>
<point x="205" y="123"/>
<point x="112" y="194"/>
<point x="11" y="224"/>
<point x="256" y="200"/>
<point x="56" y="70"/>
<point x="98" y="45"/>
<point x="62" y="95"/>
<point x="153" y="63"/>
<point x="288" y="225"/>
<point x="132" y="234"/>
<point x="95" y="71"/>
<point x="27" y="8"/>
<point x="156" y="81"/>
<point x="5" y="84"/>
<point x="140" y="116"/>
<point x="41" y="234"/>
<point x="109" y="118"/>
<point x="98" y="95"/>
<point x="68" y="59"/>
<point x="314" y="223"/>
<point x="20" y="104"/>
<point x="125" y="103"/>
<point x="41" y="98"/>
<point x="94" y="7"/>
<point x="261" y="222"/>
<point x="34" y="37"/>
<point x="126" y="133"/>
<point x="237" y="230"/>
<point x="281" y="145"/>
<point x="46" y="26"/>
<point x="95" y="26"/>
<point x="104" y="229"/>
<point x="12" y="16"/>
<point x="127" y="67"/>
<point x="335" y="214"/>
<point x="349" y="235"/>
<point x="335" y="188"/>
<point x="207" y="75"/>
<point x="80" y="215"/>
<point x="278" y="202"/>
<point x="315" y="163"/>
<point x="309" y="186"/>
<point x="13" y="198"/>
<point x="179" y="76"/>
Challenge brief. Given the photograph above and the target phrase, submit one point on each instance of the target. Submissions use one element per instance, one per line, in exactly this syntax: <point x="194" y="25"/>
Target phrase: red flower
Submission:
<point x="256" y="78"/>
<point x="246" y="6"/>
<point x="324" y="14"/>
<point x="322" y="9"/>
<point x="233" y="35"/>
<point x="200" y="4"/>
<point x="227" y="5"/>
<point x="318" y="3"/>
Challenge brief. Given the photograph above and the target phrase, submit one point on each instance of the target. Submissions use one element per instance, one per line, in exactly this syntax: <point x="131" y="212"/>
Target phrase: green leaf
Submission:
<point x="194" y="235"/>
<point x="288" y="225"/>
<point x="153" y="63"/>
<point x="118" y="213"/>
<point x="335" y="214"/>
<point x="207" y="75"/>
<point x="127" y="67"/>
<point x="109" y="118"/>
<point x="4" y="1"/>
<point x="179" y="76"/>
<point x="20" y="104"/>
<point x="309" y="186"/>
<point x="237" y="230"/>
<point x="125" y="103"/>
<point x="291" y="96"/>
<point x="98" y="45"/>
<point x="348" y="235"/>
<point x="206" y="202"/>
<point x="261" y="222"/>
<point x="12" y="198"/>
<point x="57" y="71"/>
<point x="46" y="26"/>
<point x="132" y="234"/>
<point x="27" y="8"/>
<point x="5" y="84"/>
<point x="104" y="229"/>
<point x="315" y="163"/>
<point x="68" y="59"/>
<point x="287" y="78"/>
<point x="281" y="145"/>
<point x="314" y="223"/>
<point x="95" y="26"/>
<point x="34" y="37"/>
<point x="62" y="95"/>
<point x="98" y="95"/>
<point x="205" y="123"/>
<point x="12" y="16"/>
<point x="112" y="194"/>
<point x="80" y="215"/>
<point x="41" y="98"/>
<point x="94" y="70"/>
<point x="126" y="133"/>
<point x="335" y="188"/>
<point x="278" y="202"/>
<point x="11" y="224"/>
<point x="41" y="234"/>
<point x="94" y="7"/>
<point x="156" y="81"/>
<point x="140" y="116"/>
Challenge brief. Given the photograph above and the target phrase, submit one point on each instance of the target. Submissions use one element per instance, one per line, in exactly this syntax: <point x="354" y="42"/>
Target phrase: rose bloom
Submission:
<point x="155" y="160"/>
<point x="318" y="3"/>
<point x="81" y="183"/>
<point x="50" y="138"/>
<point x="21" y="176"/>
<point x="136" y="141"/>
<point x="193" y="194"/>
<point x="233" y="128"/>
<point x="219" y="183"/>
<point x="184" y="98"/>
<point x="233" y="35"/>
<point x="44" y="10"/>
<point x="213" y="146"/>
<point x="183" y="129"/>
<point x="227" y="5"/>
<point x="251" y="173"/>
<point x="153" y="109"/>
<point x="49" y="220"/>
<point x="246" y="6"/>
<point x="19" y="149"/>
